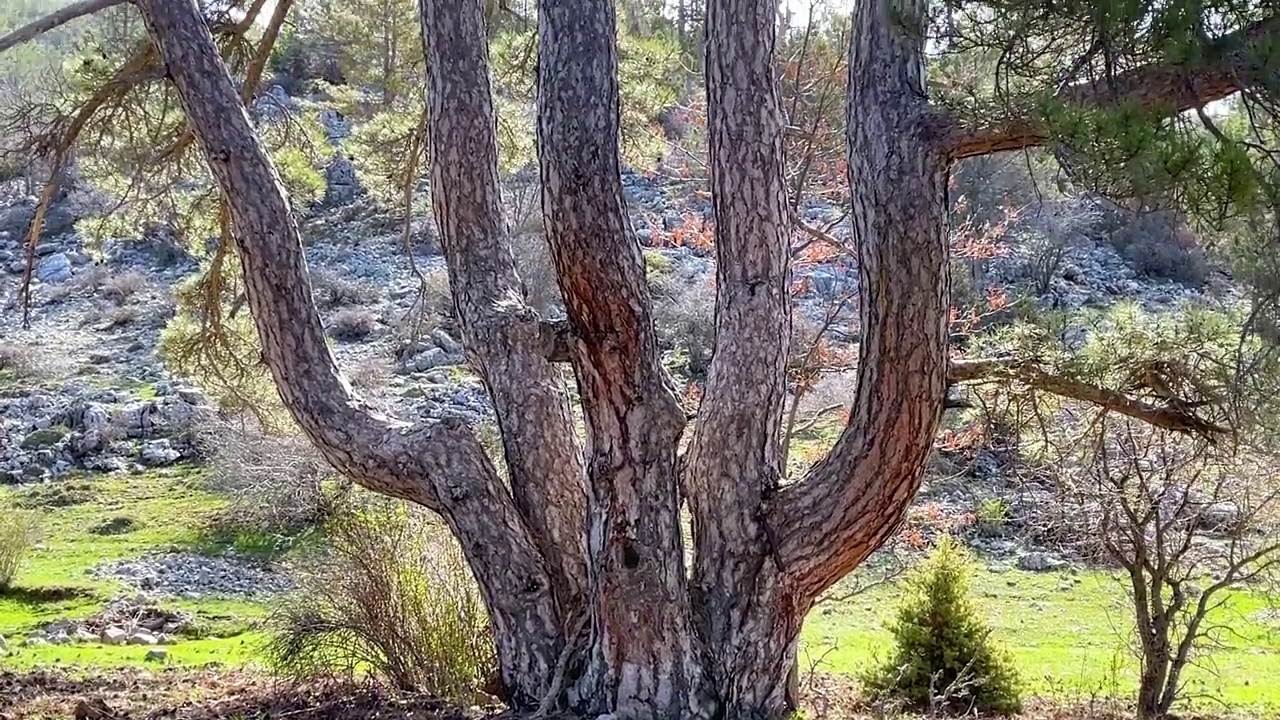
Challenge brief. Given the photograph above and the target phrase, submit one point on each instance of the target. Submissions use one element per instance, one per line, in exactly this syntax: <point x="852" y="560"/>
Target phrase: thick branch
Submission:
<point x="1170" y="417"/>
<point x="851" y="502"/>
<point x="53" y="20"/>
<point x="440" y="465"/>
<point x="1230" y="63"/>
<point x="499" y="329"/>
<point x="640" y="615"/>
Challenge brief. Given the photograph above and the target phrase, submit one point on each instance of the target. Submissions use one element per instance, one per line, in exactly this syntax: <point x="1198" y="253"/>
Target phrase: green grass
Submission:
<point x="170" y="510"/>
<point x="1069" y="635"/>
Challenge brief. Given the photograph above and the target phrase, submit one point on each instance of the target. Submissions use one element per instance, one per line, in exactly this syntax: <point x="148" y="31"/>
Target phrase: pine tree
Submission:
<point x="943" y="652"/>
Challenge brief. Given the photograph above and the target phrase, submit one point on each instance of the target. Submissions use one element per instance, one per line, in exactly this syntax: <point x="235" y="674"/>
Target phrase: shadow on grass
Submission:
<point x="45" y="595"/>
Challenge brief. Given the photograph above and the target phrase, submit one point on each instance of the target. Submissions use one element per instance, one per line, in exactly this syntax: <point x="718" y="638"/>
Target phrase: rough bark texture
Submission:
<point x="441" y="465"/>
<point x="855" y="497"/>
<point x="747" y="617"/>
<point x="641" y="661"/>
<point x="500" y="331"/>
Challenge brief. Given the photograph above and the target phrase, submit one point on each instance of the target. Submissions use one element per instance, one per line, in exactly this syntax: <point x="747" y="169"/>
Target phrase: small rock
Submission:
<point x="114" y="636"/>
<point x="1221" y="516"/>
<point x="60" y="639"/>
<point x="143" y="638"/>
<point x="156" y="453"/>
<point x="1039" y="562"/>
<point x="158" y="654"/>
<point x="36" y="640"/>
<point x="55" y="268"/>
<point x="84" y="635"/>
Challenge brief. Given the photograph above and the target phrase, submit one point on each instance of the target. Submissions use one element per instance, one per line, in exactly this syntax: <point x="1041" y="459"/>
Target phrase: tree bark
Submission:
<point x="747" y="616"/>
<point x="440" y="465"/>
<point x="640" y="659"/>
<point x="854" y="499"/>
<point x="500" y="331"/>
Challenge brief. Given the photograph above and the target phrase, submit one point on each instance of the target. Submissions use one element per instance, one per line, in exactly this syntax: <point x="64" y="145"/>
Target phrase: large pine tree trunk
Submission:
<point x="581" y="563"/>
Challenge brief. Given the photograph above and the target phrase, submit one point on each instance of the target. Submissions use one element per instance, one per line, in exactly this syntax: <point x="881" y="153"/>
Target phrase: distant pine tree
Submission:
<point x="943" y="655"/>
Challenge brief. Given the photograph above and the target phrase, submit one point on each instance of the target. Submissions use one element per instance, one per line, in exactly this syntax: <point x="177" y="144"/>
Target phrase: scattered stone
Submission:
<point x="83" y="635"/>
<point x="142" y="638"/>
<point x="114" y="636"/>
<point x="157" y="654"/>
<point x="177" y="573"/>
<point x="1039" y="562"/>
<point x="36" y="640"/>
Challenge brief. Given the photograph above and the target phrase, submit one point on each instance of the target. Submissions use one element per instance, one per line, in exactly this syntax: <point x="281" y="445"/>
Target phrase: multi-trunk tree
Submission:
<point x="578" y="550"/>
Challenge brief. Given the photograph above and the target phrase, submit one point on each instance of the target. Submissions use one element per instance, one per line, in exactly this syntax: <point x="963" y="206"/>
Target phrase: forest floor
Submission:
<point x="1065" y="628"/>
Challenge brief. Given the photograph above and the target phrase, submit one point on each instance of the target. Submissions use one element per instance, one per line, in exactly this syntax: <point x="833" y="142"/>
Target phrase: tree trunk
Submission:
<point x="439" y="465"/>
<point x="640" y="659"/>
<point x="599" y="546"/>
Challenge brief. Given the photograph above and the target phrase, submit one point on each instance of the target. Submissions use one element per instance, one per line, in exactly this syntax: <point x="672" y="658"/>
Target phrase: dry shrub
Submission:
<point x="17" y="535"/>
<point x="350" y="324"/>
<point x="538" y="273"/>
<point x="391" y="596"/>
<point x="120" y="287"/>
<point x="277" y="484"/>
<point x="21" y="362"/>
<point x="334" y="291"/>
<point x="1160" y="245"/>
<point x="685" y="320"/>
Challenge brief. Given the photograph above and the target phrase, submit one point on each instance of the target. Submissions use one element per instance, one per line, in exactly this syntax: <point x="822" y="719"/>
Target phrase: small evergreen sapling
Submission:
<point x="943" y="657"/>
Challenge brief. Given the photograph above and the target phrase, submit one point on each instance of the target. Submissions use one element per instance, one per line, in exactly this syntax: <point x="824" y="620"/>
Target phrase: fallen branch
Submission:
<point x="1176" y="417"/>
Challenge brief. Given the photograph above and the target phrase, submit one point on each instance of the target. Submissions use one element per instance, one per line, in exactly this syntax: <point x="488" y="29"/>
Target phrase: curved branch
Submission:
<point x="851" y="502"/>
<point x="1176" y="416"/>
<point x="1230" y="64"/>
<point x="440" y="465"/>
<point x="53" y="20"/>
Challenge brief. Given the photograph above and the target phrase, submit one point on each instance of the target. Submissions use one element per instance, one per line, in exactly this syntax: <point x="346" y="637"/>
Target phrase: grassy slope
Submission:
<point x="1065" y="630"/>
<point x="1068" y="634"/>
<point x="171" y="510"/>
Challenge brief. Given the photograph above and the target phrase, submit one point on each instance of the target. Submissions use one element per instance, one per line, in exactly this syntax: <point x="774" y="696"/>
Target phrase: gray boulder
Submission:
<point x="53" y="269"/>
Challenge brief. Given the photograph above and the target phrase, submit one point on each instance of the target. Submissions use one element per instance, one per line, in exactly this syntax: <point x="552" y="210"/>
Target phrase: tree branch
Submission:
<point x="499" y="329"/>
<point x="1175" y="417"/>
<point x="1230" y="64"/>
<point x="439" y="464"/>
<point x="53" y="20"/>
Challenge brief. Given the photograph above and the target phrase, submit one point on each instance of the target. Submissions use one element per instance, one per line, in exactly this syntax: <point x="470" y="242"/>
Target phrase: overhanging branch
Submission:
<point x="1230" y="64"/>
<point x="1177" y="417"/>
<point x="53" y="20"/>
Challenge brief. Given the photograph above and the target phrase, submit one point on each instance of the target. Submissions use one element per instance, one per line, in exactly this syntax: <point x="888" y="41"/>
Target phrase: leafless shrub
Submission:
<point x="276" y="484"/>
<point x="351" y="324"/>
<point x="537" y="272"/>
<point x="392" y="596"/>
<point x="17" y="535"/>
<point x="122" y="286"/>
<point x="1160" y="245"/>
<point x="21" y="362"/>
<point x="1186" y="522"/>
<point x="334" y="291"/>
<point x="685" y="322"/>
<point x="369" y="374"/>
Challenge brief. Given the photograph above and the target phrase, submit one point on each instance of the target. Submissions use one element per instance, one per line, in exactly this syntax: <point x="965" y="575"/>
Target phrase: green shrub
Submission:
<point x="17" y="535"/>
<point x="391" y="596"/>
<point x="943" y="656"/>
